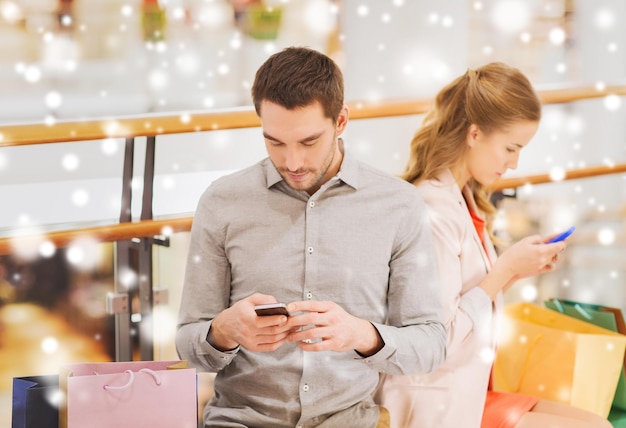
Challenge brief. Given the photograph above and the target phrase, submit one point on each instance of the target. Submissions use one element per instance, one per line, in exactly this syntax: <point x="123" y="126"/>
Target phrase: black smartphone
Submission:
<point x="271" y="309"/>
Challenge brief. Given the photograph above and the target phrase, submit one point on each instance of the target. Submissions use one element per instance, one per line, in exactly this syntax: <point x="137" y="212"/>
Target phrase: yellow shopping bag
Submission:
<point x="556" y="357"/>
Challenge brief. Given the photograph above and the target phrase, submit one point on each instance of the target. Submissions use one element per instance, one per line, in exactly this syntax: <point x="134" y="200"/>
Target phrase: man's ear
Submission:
<point x="342" y="119"/>
<point x="473" y="132"/>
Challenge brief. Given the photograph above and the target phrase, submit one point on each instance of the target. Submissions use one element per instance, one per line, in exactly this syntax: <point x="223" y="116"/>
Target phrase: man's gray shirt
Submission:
<point x="362" y="241"/>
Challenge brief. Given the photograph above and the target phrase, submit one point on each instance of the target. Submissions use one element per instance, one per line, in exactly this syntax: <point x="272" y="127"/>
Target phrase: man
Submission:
<point x="348" y="248"/>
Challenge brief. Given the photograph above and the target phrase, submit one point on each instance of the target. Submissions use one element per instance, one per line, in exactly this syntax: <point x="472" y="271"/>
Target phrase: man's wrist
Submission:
<point x="372" y="341"/>
<point x="220" y="345"/>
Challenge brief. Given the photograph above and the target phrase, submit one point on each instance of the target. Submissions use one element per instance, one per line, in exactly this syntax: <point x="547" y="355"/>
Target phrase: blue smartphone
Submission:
<point x="562" y="236"/>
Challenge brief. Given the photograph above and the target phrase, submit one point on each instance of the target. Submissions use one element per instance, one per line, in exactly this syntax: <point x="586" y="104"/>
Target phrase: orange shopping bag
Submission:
<point x="556" y="357"/>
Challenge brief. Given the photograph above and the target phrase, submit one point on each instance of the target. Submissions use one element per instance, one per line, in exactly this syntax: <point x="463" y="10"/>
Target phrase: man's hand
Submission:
<point x="240" y="325"/>
<point x="326" y="326"/>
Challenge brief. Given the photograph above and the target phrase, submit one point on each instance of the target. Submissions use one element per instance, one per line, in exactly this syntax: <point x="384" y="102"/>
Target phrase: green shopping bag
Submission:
<point x="617" y="417"/>
<point x="602" y="316"/>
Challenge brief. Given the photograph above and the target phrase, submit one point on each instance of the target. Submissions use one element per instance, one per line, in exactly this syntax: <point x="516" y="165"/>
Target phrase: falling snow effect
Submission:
<point x="103" y="67"/>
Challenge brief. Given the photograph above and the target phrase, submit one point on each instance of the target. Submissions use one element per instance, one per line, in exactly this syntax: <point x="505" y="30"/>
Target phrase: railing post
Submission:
<point x="124" y="262"/>
<point x="146" y="297"/>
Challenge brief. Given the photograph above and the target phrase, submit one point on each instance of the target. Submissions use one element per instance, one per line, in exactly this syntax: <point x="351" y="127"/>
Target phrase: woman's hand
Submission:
<point x="528" y="257"/>
<point x="531" y="256"/>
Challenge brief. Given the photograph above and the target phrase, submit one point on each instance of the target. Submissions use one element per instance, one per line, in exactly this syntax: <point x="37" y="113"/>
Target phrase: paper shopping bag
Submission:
<point x="128" y="394"/>
<point x="35" y="402"/>
<point x="617" y="418"/>
<point x="602" y="316"/>
<point x="556" y="357"/>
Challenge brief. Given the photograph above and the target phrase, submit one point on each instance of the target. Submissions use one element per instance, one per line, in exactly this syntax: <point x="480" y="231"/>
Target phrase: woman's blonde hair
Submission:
<point x="491" y="97"/>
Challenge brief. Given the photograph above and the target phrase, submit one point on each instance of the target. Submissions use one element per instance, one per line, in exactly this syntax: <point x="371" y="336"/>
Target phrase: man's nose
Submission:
<point x="294" y="159"/>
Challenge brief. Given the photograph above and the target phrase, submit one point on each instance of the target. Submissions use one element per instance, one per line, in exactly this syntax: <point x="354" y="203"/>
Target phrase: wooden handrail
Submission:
<point x="514" y="182"/>
<point x="237" y="118"/>
<point x="107" y="233"/>
<point x="148" y="228"/>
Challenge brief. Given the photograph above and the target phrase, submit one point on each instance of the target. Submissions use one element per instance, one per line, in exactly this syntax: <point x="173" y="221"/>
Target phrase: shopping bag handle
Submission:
<point x="131" y="378"/>
<point x="583" y="312"/>
<point x="576" y="306"/>
<point x="558" y="305"/>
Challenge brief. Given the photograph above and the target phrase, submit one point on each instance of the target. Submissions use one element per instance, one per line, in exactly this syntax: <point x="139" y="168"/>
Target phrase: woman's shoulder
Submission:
<point x="439" y="191"/>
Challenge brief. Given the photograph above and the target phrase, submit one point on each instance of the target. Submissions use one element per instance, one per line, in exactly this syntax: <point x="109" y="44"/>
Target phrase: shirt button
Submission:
<point x="309" y="295"/>
<point x="311" y="204"/>
<point x="305" y="388"/>
<point x="310" y="250"/>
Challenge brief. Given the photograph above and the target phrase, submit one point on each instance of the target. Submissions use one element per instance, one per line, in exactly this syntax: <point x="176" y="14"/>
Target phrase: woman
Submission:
<point x="479" y="124"/>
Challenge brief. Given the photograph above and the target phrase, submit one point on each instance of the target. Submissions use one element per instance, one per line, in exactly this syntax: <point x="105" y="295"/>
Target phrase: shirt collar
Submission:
<point x="348" y="171"/>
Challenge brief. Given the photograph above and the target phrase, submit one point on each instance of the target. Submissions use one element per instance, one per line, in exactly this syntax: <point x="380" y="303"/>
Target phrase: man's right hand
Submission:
<point x="240" y="325"/>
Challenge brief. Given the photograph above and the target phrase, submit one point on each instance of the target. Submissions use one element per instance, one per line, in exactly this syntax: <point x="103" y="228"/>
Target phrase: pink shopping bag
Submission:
<point x="128" y="394"/>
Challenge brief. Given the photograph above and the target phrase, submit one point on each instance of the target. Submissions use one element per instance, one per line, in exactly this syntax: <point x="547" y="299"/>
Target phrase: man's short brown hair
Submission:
<point x="297" y="77"/>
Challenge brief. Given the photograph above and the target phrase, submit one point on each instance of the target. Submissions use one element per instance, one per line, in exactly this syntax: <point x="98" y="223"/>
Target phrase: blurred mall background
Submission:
<point x="83" y="59"/>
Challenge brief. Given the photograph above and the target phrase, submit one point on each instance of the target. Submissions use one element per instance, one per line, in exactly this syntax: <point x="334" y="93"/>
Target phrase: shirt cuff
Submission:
<point x="218" y="359"/>
<point x="383" y="354"/>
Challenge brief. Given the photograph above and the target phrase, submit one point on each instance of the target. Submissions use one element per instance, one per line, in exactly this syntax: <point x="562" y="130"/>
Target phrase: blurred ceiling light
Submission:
<point x="604" y="19"/>
<point x="127" y="10"/>
<point x="511" y="16"/>
<point x="66" y="20"/>
<point x="47" y="249"/>
<point x="557" y="173"/>
<point x="215" y="15"/>
<point x="32" y="74"/>
<point x="612" y="102"/>
<point x="70" y="162"/>
<point x="49" y="345"/>
<point x="529" y="292"/>
<point x="84" y="253"/>
<point x="608" y="162"/>
<point x="319" y="17"/>
<point x="53" y="100"/>
<point x="158" y="79"/>
<point x="109" y="146"/>
<point x="187" y="63"/>
<point x="447" y="21"/>
<point x="11" y="12"/>
<point x="606" y="236"/>
<point x="557" y="36"/>
<point x="574" y="125"/>
<point x="80" y="197"/>
<point x="178" y="13"/>
<point x="27" y="248"/>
